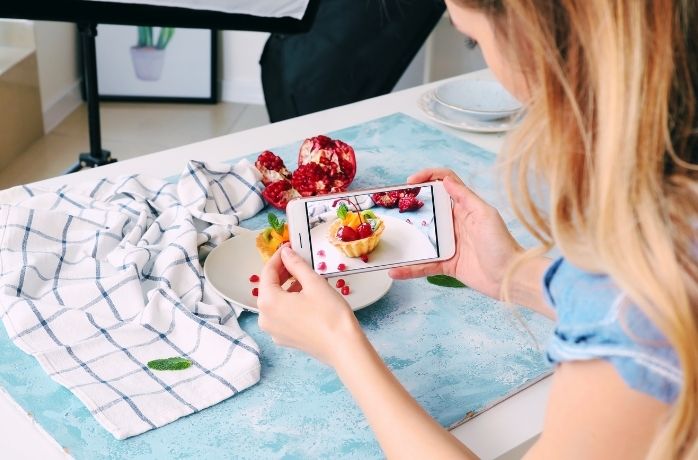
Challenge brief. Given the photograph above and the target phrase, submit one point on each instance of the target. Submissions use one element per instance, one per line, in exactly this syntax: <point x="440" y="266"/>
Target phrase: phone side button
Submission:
<point x="300" y="240"/>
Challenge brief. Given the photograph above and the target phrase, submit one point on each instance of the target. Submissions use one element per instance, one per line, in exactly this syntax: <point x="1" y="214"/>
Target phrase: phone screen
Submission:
<point x="372" y="230"/>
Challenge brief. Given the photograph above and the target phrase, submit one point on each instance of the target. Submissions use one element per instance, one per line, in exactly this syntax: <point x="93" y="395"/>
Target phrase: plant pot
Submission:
<point x="147" y="62"/>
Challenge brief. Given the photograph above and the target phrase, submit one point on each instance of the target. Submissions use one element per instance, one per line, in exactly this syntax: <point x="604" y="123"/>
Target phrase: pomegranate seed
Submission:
<point x="365" y="258"/>
<point x="341" y="267"/>
<point x="321" y="253"/>
<point x="255" y="292"/>
<point x="254" y="278"/>
<point x="408" y="221"/>
<point x="345" y="290"/>
<point x="322" y="266"/>
<point x="424" y="223"/>
<point x="340" y="283"/>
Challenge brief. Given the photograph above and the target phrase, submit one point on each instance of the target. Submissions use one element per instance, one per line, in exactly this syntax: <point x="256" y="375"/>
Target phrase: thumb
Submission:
<point x="298" y="267"/>
<point x="461" y="194"/>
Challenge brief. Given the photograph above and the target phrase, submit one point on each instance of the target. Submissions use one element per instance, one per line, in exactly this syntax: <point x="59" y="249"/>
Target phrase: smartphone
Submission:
<point x="365" y="230"/>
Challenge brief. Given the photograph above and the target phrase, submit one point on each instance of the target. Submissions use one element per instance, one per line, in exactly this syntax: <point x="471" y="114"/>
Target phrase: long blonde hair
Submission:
<point x="610" y="131"/>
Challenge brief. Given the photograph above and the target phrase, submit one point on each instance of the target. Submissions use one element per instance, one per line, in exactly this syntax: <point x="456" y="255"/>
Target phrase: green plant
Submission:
<point x="145" y="37"/>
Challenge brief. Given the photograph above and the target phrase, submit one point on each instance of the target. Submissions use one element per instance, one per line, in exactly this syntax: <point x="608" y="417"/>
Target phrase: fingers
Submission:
<point x="298" y="267"/>
<point x="416" y="271"/>
<point x="430" y="174"/>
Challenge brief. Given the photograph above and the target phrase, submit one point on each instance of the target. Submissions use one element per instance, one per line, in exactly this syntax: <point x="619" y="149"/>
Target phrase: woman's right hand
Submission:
<point x="484" y="246"/>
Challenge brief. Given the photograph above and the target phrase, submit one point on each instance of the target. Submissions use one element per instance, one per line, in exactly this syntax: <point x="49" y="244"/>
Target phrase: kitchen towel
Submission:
<point x="99" y="278"/>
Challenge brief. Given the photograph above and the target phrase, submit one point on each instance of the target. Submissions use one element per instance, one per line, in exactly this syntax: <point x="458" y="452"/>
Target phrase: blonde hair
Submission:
<point x="610" y="131"/>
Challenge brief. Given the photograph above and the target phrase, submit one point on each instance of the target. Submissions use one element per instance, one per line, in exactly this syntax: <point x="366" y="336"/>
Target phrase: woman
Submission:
<point x="610" y="94"/>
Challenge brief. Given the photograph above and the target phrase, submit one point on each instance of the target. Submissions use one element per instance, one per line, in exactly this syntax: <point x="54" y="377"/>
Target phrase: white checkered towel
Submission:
<point x="100" y="278"/>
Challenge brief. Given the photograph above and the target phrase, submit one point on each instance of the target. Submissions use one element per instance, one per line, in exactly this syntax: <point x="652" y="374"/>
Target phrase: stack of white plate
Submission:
<point x="472" y="105"/>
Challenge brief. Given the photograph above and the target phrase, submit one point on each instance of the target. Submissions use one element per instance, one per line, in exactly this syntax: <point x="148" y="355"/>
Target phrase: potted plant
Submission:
<point x="147" y="56"/>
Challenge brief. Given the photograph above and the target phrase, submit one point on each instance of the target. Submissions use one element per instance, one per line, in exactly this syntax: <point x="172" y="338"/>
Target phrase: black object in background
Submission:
<point x="353" y="51"/>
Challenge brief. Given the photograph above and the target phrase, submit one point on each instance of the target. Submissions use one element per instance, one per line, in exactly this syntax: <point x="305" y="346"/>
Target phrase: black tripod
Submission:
<point x="96" y="156"/>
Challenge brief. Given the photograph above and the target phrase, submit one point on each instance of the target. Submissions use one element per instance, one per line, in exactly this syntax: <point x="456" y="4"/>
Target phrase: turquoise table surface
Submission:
<point x="455" y="350"/>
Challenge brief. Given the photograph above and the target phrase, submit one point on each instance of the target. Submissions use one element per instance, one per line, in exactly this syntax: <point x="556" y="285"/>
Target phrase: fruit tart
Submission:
<point x="355" y="233"/>
<point x="269" y="239"/>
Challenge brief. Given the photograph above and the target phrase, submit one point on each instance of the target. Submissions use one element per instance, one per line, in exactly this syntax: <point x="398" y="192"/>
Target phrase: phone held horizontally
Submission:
<point x="364" y="230"/>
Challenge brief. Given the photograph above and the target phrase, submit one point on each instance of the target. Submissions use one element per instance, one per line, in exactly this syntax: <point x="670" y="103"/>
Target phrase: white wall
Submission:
<point x="241" y="74"/>
<point x="59" y="74"/>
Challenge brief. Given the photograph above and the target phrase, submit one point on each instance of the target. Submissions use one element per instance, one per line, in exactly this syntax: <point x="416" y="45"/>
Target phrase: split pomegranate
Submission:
<point x="279" y="193"/>
<point x="392" y="198"/>
<point x="324" y="166"/>
<point x="409" y="203"/>
<point x="272" y="168"/>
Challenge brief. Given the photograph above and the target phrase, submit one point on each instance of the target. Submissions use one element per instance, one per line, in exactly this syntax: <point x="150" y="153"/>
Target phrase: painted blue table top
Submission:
<point x="455" y="350"/>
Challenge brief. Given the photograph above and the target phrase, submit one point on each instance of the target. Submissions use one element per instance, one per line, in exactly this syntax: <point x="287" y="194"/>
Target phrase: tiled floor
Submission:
<point x="129" y="130"/>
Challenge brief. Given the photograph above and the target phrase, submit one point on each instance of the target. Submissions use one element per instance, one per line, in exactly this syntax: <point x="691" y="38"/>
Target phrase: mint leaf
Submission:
<point x="276" y="224"/>
<point x="342" y="211"/>
<point x="445" y="281"/>
<point x="170" y="364"/>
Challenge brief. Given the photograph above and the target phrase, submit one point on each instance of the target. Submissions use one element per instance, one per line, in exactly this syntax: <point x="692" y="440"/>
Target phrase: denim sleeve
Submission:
<point x="596" y="321"/>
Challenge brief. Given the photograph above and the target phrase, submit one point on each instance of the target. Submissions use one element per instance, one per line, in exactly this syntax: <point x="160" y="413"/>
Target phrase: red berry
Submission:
<point x="255" y="292"/>
<point x="345" y="290"/>
<point x="321" y="253"/>
<point x="340" y="283"/>
<point x="341" y="267"/>
<point x="346" y="233"/>
<point x="322" y="266"/>
<point x="254" y="278"/>
<point x="365" y="230"/>
<point x="365" y="258"/>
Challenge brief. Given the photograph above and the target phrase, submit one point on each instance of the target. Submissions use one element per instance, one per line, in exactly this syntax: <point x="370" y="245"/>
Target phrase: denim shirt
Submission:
<point x="595" y="320"/>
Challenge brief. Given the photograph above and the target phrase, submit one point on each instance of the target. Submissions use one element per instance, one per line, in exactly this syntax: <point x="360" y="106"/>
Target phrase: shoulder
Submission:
<point x="595" y="320"/>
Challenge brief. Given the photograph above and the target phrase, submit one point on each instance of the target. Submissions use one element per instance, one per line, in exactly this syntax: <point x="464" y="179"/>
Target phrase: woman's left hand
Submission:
<point x="312" y="317"/>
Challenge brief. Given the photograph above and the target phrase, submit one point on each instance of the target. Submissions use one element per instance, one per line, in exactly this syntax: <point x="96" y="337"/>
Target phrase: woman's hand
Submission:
<point x="484" y="246"/>
<point x="311" y="316"/>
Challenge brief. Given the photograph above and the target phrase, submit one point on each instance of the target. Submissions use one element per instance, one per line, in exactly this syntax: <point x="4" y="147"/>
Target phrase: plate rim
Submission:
<point x="500" y="127"/>
<point x="503" y="113"/>
<point x="388" y="285"/>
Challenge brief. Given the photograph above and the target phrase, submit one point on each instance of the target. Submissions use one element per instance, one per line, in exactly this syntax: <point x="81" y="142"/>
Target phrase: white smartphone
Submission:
<point x="364" y="230"/>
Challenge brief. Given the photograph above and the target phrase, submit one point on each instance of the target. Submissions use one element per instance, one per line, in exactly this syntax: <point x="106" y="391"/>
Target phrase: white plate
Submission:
<point x="229" y="266"/>
<point x="481" y="99"/>
<point x="400" y="241"/>
<point x="459" y="120"/>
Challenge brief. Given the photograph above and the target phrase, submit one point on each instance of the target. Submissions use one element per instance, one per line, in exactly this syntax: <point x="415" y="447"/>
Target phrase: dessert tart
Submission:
<point x="269" y="239"/>
<point x="356" y="233"/>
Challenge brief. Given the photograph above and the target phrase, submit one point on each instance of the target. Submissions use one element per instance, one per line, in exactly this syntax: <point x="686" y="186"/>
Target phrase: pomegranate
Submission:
<point x="409" y="203"/>
<point x="272" y="168"/>
<point x="279" y="193"/>
<point x="334" y="157"/>
<point x="324" y="166"/>
<point x="392" y="198"/>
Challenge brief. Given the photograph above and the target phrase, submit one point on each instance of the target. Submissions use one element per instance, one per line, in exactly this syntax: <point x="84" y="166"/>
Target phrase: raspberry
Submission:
<point x="341" y="267"/>
<point x="322" y="266"/>
<point x="345" y="290"/>
<point x="254" y="278"/>
<point x="255" y="292"/>
<point x="340" y="283"/>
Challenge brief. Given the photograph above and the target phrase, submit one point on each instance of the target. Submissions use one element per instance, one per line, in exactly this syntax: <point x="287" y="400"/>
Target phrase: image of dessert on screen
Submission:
<point x="372" y="230"/>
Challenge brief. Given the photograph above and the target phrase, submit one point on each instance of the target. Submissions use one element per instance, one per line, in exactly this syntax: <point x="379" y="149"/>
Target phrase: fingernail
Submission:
<point x="286" y="250"/>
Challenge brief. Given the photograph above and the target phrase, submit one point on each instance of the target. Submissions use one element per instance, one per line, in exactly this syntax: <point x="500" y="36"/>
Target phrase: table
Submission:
<point x="489" y="435"/>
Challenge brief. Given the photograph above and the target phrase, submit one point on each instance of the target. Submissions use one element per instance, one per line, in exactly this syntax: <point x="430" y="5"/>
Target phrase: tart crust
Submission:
<point x="356" y="248"/>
